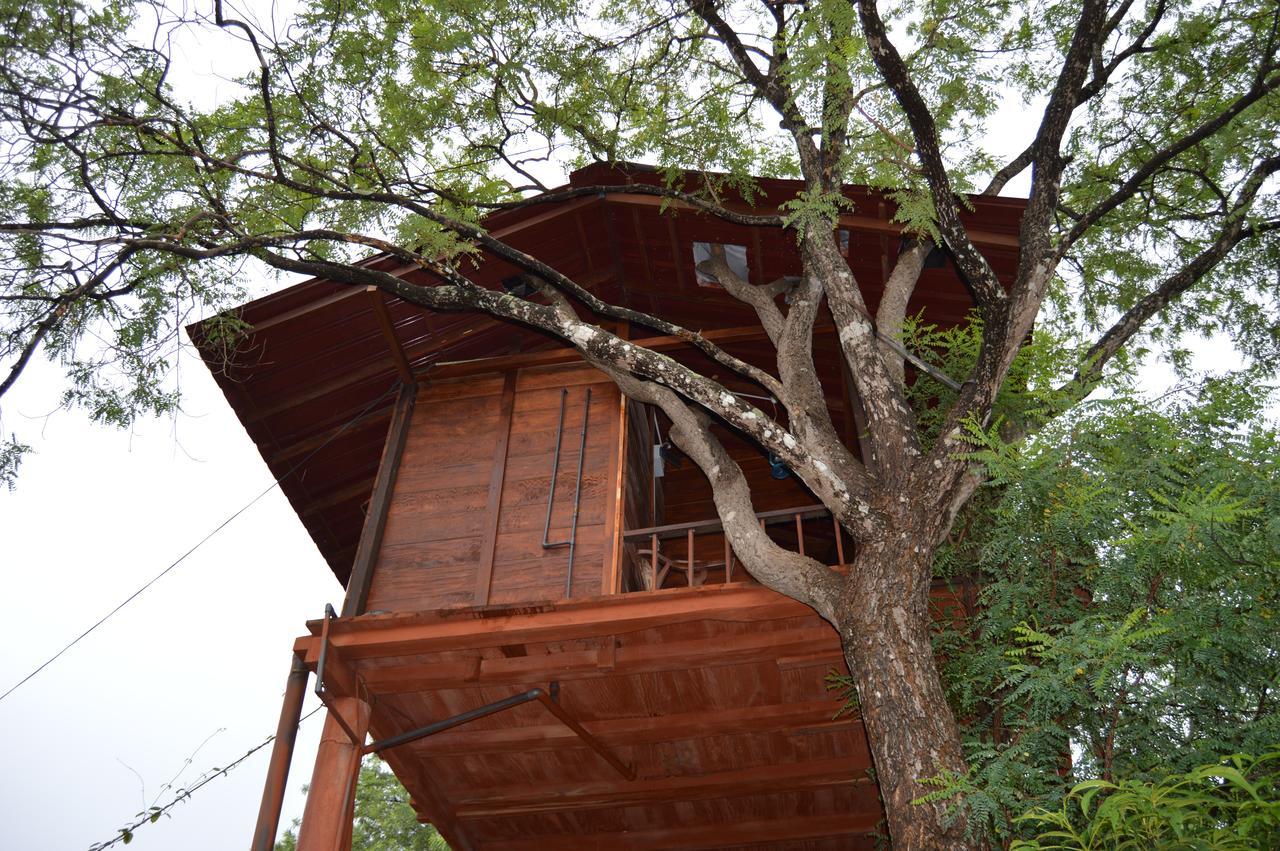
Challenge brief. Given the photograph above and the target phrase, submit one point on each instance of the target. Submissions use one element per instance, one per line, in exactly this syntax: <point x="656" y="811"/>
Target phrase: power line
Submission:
<point x="203" y="540"/>
<point x="152" y="814"/>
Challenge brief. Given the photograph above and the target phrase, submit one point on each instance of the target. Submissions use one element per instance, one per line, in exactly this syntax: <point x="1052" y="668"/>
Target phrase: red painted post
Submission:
<point x="326" y="821"/>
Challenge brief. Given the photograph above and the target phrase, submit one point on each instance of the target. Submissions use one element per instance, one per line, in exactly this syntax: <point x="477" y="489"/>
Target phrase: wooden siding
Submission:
<point x="465" y="522"/>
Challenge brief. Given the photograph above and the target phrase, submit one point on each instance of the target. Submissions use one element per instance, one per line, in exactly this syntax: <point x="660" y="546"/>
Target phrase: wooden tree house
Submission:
<point x="552" y="645"/>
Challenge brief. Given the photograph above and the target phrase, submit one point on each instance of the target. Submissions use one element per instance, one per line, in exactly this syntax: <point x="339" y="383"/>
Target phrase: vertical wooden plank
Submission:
<point x="389" y="334"/>
<point x="643" y="243"/>
<point x="675" y="254"/>
<point x="583" y="243"/>
<point x="688" y="575"/>
<point x="375" y="520"/>
<point x="611" y="577"/>
<point x="800" y="533"/>
<point x="757" y="256"/>
<point x="884" y="249"/>
<point x="484" y="574"/>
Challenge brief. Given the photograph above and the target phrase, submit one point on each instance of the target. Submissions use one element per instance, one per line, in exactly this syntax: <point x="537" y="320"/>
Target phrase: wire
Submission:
<point x="153" y="814"/>
<point x="180" y="559"/>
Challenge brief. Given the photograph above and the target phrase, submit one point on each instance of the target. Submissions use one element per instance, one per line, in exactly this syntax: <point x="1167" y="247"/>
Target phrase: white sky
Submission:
<point x="195" y="668"/>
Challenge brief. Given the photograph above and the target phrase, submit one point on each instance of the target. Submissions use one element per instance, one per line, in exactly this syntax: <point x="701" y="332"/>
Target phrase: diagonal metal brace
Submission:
<point x="547" y="697"/>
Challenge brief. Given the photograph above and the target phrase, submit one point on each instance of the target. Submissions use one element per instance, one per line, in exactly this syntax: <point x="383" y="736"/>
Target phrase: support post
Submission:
<point x="327" y="817"/>
<point x="375" y="520"/>
<point x="264" y="833"/>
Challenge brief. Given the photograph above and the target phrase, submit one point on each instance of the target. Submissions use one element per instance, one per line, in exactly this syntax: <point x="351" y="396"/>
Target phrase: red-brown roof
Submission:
<point x="313" y="382"/>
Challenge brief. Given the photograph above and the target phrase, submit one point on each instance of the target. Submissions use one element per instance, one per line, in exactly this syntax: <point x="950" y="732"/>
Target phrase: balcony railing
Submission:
<point x="667" y="556"/>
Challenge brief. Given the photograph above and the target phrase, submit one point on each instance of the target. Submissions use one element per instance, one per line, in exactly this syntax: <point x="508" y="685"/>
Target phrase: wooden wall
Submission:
<point x="465" y="522"/>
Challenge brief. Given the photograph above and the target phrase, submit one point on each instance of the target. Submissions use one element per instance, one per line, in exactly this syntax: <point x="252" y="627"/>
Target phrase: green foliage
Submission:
<point x="1129" y="561"/>
<point x="397" y="123"/>
<point x="384" y="819"/>
<point x="1231" y="805"/>
<point x="11" y="454"/>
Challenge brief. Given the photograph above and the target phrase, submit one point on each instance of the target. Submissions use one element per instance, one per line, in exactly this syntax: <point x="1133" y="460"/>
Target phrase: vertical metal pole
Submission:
<point x="264" y="833"/>
<point x="577" y="496"/>
<point x="688" y="564"/>
<point x="555" y="471"/>
<point x="653" y="562"/>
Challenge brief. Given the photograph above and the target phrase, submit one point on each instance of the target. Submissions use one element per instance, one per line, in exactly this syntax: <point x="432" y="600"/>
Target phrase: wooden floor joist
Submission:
<point x="714" y="695"/>
<point x="565" y="797"/>
<point x="819" y="643"/>
<point x="704" y="835"/>
<point x="809" y="715"/>
<point x="373" y="636"/>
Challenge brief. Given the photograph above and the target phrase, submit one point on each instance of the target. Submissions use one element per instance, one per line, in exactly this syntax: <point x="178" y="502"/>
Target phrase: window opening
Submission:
<point x="734" y="255"/>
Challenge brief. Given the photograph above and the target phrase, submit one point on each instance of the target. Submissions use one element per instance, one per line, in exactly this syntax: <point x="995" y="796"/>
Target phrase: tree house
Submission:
<point x="545" y="632"/>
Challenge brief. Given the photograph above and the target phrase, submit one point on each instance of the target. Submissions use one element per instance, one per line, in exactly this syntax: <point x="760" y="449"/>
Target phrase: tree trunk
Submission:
<point x="884" y="624"/>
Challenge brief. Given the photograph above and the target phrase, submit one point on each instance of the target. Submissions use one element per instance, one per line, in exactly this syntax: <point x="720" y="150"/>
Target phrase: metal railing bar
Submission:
<point x="676" y="530"/>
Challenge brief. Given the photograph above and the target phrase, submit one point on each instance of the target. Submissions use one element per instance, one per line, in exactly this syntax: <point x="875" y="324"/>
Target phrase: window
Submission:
<point x="734" y="255"/>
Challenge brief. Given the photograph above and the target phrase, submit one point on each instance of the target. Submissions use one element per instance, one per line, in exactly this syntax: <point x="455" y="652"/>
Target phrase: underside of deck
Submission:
<point x="713" y="697"/>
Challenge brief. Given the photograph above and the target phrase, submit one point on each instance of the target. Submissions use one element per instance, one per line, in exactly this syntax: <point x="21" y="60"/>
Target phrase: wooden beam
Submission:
<point x="549" y="214"/>
<point x="719" y="336"/>
<point x="864" y="223"/>
<point x="389" y="334"/>
<point x="704" y="835"/>
<point x="302" y="447"/>
<point x="426" y="346"/>
<point x="375" y="519"/>
<point x="523" y="799"/>
<point x="484" y="573"/>
<point x="309" y="307"/>
<point x="380" y="636"/>
<point x="819" y="642"/>
<point x="428" y="798"/>
<point x="810" y="716"/>
<point x="610" y="576"/>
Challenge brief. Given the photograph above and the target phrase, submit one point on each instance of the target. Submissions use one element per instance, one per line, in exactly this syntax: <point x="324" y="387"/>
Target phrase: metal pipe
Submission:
<point x="264" y="833"/>
<point x="547" y="697"/>
<point x="577" y="496"/>
<point x="555" y="471"/>
<point x="454" y="721"/>
<point x="572" y="541"/>
<point x="321" y="693"/>
<point x="324" y="650"/>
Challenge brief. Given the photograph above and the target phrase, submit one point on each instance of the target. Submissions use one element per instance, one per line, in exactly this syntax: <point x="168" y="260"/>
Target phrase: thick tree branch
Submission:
<point x="1100" y="77"/>
<point x="892" y="310"/>
<point x="1261" y="88"/>
<point x="799" y="577"/>
<point x="846" y="497"/>
<point x="972" y="266"/>
<point x="1233" y="230"/>
<point x="58" y="309"/>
